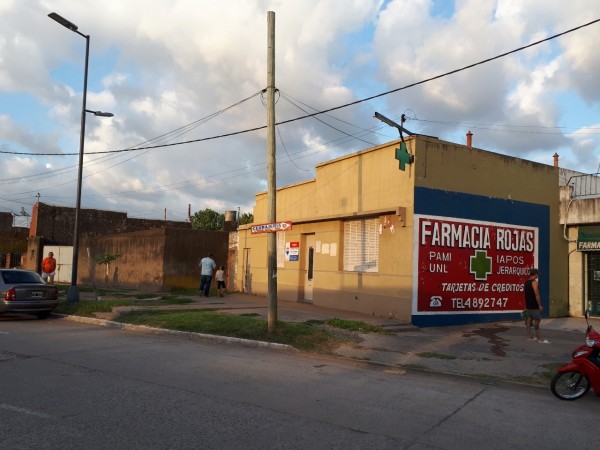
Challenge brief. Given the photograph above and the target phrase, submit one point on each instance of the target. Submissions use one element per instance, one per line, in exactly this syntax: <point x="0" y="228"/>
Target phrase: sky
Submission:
<point x="186" y="77"/>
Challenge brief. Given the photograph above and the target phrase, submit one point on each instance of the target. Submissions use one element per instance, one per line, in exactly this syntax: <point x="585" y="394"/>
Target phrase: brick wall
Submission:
<point x="154" y="260"/>
<point x="56" y="224"/>
<point x="6" y="221"/>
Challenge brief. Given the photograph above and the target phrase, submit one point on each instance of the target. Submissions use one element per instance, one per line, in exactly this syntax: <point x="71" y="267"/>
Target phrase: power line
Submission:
<point x="452" y="72"/>
<point x="519" y="128"/>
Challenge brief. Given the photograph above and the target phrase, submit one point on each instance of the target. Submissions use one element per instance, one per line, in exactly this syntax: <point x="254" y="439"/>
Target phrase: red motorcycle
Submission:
<point x="574" y="379"/>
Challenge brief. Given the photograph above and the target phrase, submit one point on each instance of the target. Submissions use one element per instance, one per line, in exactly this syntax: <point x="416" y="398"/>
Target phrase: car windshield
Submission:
<point x="17" y="276"/>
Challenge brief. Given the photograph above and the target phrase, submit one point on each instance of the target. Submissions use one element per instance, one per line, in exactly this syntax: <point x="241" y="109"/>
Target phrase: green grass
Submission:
<point x="300" y="335"/>
<point x="308" y="336"/>
<point x="435" y="355"/>
<point x="89" y="307"/>
<point x="354" y="325"/>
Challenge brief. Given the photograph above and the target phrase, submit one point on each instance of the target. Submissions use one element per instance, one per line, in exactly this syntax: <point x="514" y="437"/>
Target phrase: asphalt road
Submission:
<point x="68" y="385"/>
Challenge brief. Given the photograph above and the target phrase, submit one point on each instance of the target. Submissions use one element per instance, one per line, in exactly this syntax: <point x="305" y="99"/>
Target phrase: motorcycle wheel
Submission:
<point x="569" y="385"/>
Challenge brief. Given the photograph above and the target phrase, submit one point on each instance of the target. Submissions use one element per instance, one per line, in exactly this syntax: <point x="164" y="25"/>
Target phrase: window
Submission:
<point x="361" y="245"/>
<point x="280" y="248"/>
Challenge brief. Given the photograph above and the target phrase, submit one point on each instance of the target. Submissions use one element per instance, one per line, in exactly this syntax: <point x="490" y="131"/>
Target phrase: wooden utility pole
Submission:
<point x="271" y="179"/>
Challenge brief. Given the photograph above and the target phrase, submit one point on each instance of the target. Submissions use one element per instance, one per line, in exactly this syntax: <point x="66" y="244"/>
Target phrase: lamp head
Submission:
<point x="64" y="22"/>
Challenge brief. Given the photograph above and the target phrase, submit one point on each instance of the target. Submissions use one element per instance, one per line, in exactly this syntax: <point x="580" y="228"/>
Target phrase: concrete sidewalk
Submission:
<point x="492" y="351"/>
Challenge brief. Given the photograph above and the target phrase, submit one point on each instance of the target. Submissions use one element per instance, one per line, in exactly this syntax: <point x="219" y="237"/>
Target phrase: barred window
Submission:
<point x="280" y="248"/>
<point x="361" y="245"/>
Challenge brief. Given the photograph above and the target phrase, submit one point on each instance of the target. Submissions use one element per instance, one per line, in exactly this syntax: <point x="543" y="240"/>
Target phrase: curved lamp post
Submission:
<point x="73" y="291"/>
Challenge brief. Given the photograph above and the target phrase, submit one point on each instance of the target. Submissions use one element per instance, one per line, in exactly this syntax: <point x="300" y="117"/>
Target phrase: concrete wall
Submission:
<point x="184" y="249"/>
<point x="56" y="224"/>
<point x="6" y="221"/>
<point x="153" y="260"/>
<point x="13" y="241"/>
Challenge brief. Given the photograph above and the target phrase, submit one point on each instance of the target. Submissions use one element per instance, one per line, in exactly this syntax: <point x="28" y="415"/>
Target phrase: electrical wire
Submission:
<point x="436" y="77"/>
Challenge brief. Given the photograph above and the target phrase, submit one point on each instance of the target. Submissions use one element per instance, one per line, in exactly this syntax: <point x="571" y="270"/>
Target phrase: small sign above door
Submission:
<point x="271" y="227"/>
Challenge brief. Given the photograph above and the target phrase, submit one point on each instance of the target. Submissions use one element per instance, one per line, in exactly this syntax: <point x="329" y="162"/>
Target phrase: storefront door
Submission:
<point x="593" y="283"/>
<point x="309" y="267"/>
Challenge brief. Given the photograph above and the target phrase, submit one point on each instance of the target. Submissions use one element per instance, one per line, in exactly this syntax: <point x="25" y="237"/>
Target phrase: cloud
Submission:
<point x="178" y="71"/>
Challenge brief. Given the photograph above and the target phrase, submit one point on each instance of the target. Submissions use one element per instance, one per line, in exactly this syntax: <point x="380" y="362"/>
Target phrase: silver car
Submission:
<point x="24" y="291"/>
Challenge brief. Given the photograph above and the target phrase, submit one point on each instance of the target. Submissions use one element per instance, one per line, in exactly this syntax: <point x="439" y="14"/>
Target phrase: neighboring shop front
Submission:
<point x="584" y="270"/>
<point x="580" y="220"/>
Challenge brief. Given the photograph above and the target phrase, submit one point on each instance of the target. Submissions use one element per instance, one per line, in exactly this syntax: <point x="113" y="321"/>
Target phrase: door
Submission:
<point x="593" y="287"/>
<point x="247" y="276"/>
<point x="309" y="267"/>
<point x="64" y="261"/>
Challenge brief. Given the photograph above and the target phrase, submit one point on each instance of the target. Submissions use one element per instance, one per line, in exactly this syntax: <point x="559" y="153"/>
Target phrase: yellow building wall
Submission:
<point x="369" y="184"/>
<point x="366" y="184"/>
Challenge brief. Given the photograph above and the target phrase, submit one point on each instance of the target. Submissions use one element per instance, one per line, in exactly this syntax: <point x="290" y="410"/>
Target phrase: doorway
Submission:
<point x="64" y="261"/>
<point x="309" y="267"/>
<point x="593" y="282"/>
<point x="247" y="276"/>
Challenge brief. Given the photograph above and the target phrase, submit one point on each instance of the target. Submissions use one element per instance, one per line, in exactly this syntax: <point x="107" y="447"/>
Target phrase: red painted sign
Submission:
<point x="466" y="266"/>
<point x="271" y="227"/>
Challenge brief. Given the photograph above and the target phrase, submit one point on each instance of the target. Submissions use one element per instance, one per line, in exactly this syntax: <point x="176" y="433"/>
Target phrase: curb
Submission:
<point x="387" y="367"/>
<point x="187" y="334"/>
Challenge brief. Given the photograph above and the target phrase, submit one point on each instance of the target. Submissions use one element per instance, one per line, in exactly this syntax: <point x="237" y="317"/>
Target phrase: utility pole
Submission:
<point x="271" y="179"/>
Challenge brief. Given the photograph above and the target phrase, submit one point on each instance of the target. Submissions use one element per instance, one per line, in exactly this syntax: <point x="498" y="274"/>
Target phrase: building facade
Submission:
<point x="449" y="239"/>
<point x="580" y="219"/>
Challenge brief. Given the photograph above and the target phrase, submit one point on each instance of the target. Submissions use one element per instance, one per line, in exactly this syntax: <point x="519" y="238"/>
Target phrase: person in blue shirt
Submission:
<point x="207" y="267"/>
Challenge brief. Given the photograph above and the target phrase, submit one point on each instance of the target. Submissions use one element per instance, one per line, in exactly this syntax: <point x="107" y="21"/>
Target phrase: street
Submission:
<point x="68" y="385"/>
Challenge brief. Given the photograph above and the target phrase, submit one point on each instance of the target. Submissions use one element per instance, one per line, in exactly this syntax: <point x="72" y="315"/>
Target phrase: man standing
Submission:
<point x="533" y="304"/>
<point x="207" y="266"/>
<point x="49" y="268"/>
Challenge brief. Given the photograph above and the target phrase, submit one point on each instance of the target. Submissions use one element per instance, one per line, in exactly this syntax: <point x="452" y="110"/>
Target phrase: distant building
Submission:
<point x="580" y="220"/>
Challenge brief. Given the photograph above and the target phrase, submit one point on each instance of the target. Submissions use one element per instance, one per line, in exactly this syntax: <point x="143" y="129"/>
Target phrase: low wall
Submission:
<point x="151" y="260"/>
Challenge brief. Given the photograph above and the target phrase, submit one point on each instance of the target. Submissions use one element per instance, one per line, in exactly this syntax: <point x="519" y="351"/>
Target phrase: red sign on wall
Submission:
<point x="466" y="266"/>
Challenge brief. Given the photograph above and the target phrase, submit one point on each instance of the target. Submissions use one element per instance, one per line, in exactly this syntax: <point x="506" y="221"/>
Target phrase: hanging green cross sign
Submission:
<point x="403" y="156"/>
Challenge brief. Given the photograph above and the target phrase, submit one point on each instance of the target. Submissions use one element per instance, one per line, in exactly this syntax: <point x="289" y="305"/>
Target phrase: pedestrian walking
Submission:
<point x="534" y="307"/>
<point x="49" y="268"/>
<point x="220" y="277"/>
<point x="207" y="266"/>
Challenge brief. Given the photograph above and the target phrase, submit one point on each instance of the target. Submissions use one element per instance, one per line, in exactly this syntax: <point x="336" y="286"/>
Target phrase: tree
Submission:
<point x="246" y="218"/>
<point x="207" y="219"/>
<point x="106" y="259"/>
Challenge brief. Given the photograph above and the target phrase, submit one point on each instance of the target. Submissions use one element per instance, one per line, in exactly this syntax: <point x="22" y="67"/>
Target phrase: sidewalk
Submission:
<point x="491" y="352"/>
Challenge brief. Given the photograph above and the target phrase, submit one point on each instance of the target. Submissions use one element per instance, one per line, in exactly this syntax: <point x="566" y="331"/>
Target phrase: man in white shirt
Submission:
<point x="207" y="266"/>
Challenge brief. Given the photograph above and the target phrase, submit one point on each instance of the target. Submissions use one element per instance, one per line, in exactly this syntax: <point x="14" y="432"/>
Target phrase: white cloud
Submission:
<point x="160" y="66"/>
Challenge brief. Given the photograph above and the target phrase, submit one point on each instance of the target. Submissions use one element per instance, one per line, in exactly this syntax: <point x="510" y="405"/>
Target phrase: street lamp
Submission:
<point x="73" y="291"/>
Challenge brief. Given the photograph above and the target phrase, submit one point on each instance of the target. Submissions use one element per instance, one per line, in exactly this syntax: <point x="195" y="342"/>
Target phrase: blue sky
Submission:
<point x="162" y="65"/>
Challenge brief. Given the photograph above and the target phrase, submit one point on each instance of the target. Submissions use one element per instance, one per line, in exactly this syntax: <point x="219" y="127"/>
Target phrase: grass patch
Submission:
<point x="299" y="335"/>
<point x="354" y="325"/>
<point x="415" y="366"/>
<point x="435" y="355"/>
<point x="163" y="300"/>
<point x="89" y="308"/>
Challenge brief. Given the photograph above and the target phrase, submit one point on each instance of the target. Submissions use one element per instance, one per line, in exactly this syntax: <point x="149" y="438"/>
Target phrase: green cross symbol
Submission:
<point x="403" y="156"/>
<point x="481" y="265"/>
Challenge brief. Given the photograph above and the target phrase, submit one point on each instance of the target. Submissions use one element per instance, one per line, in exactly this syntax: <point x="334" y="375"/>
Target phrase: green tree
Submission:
<point x="246" y="218"/>
<point x="207" y="219"/>
<point x="106" y="259"/>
